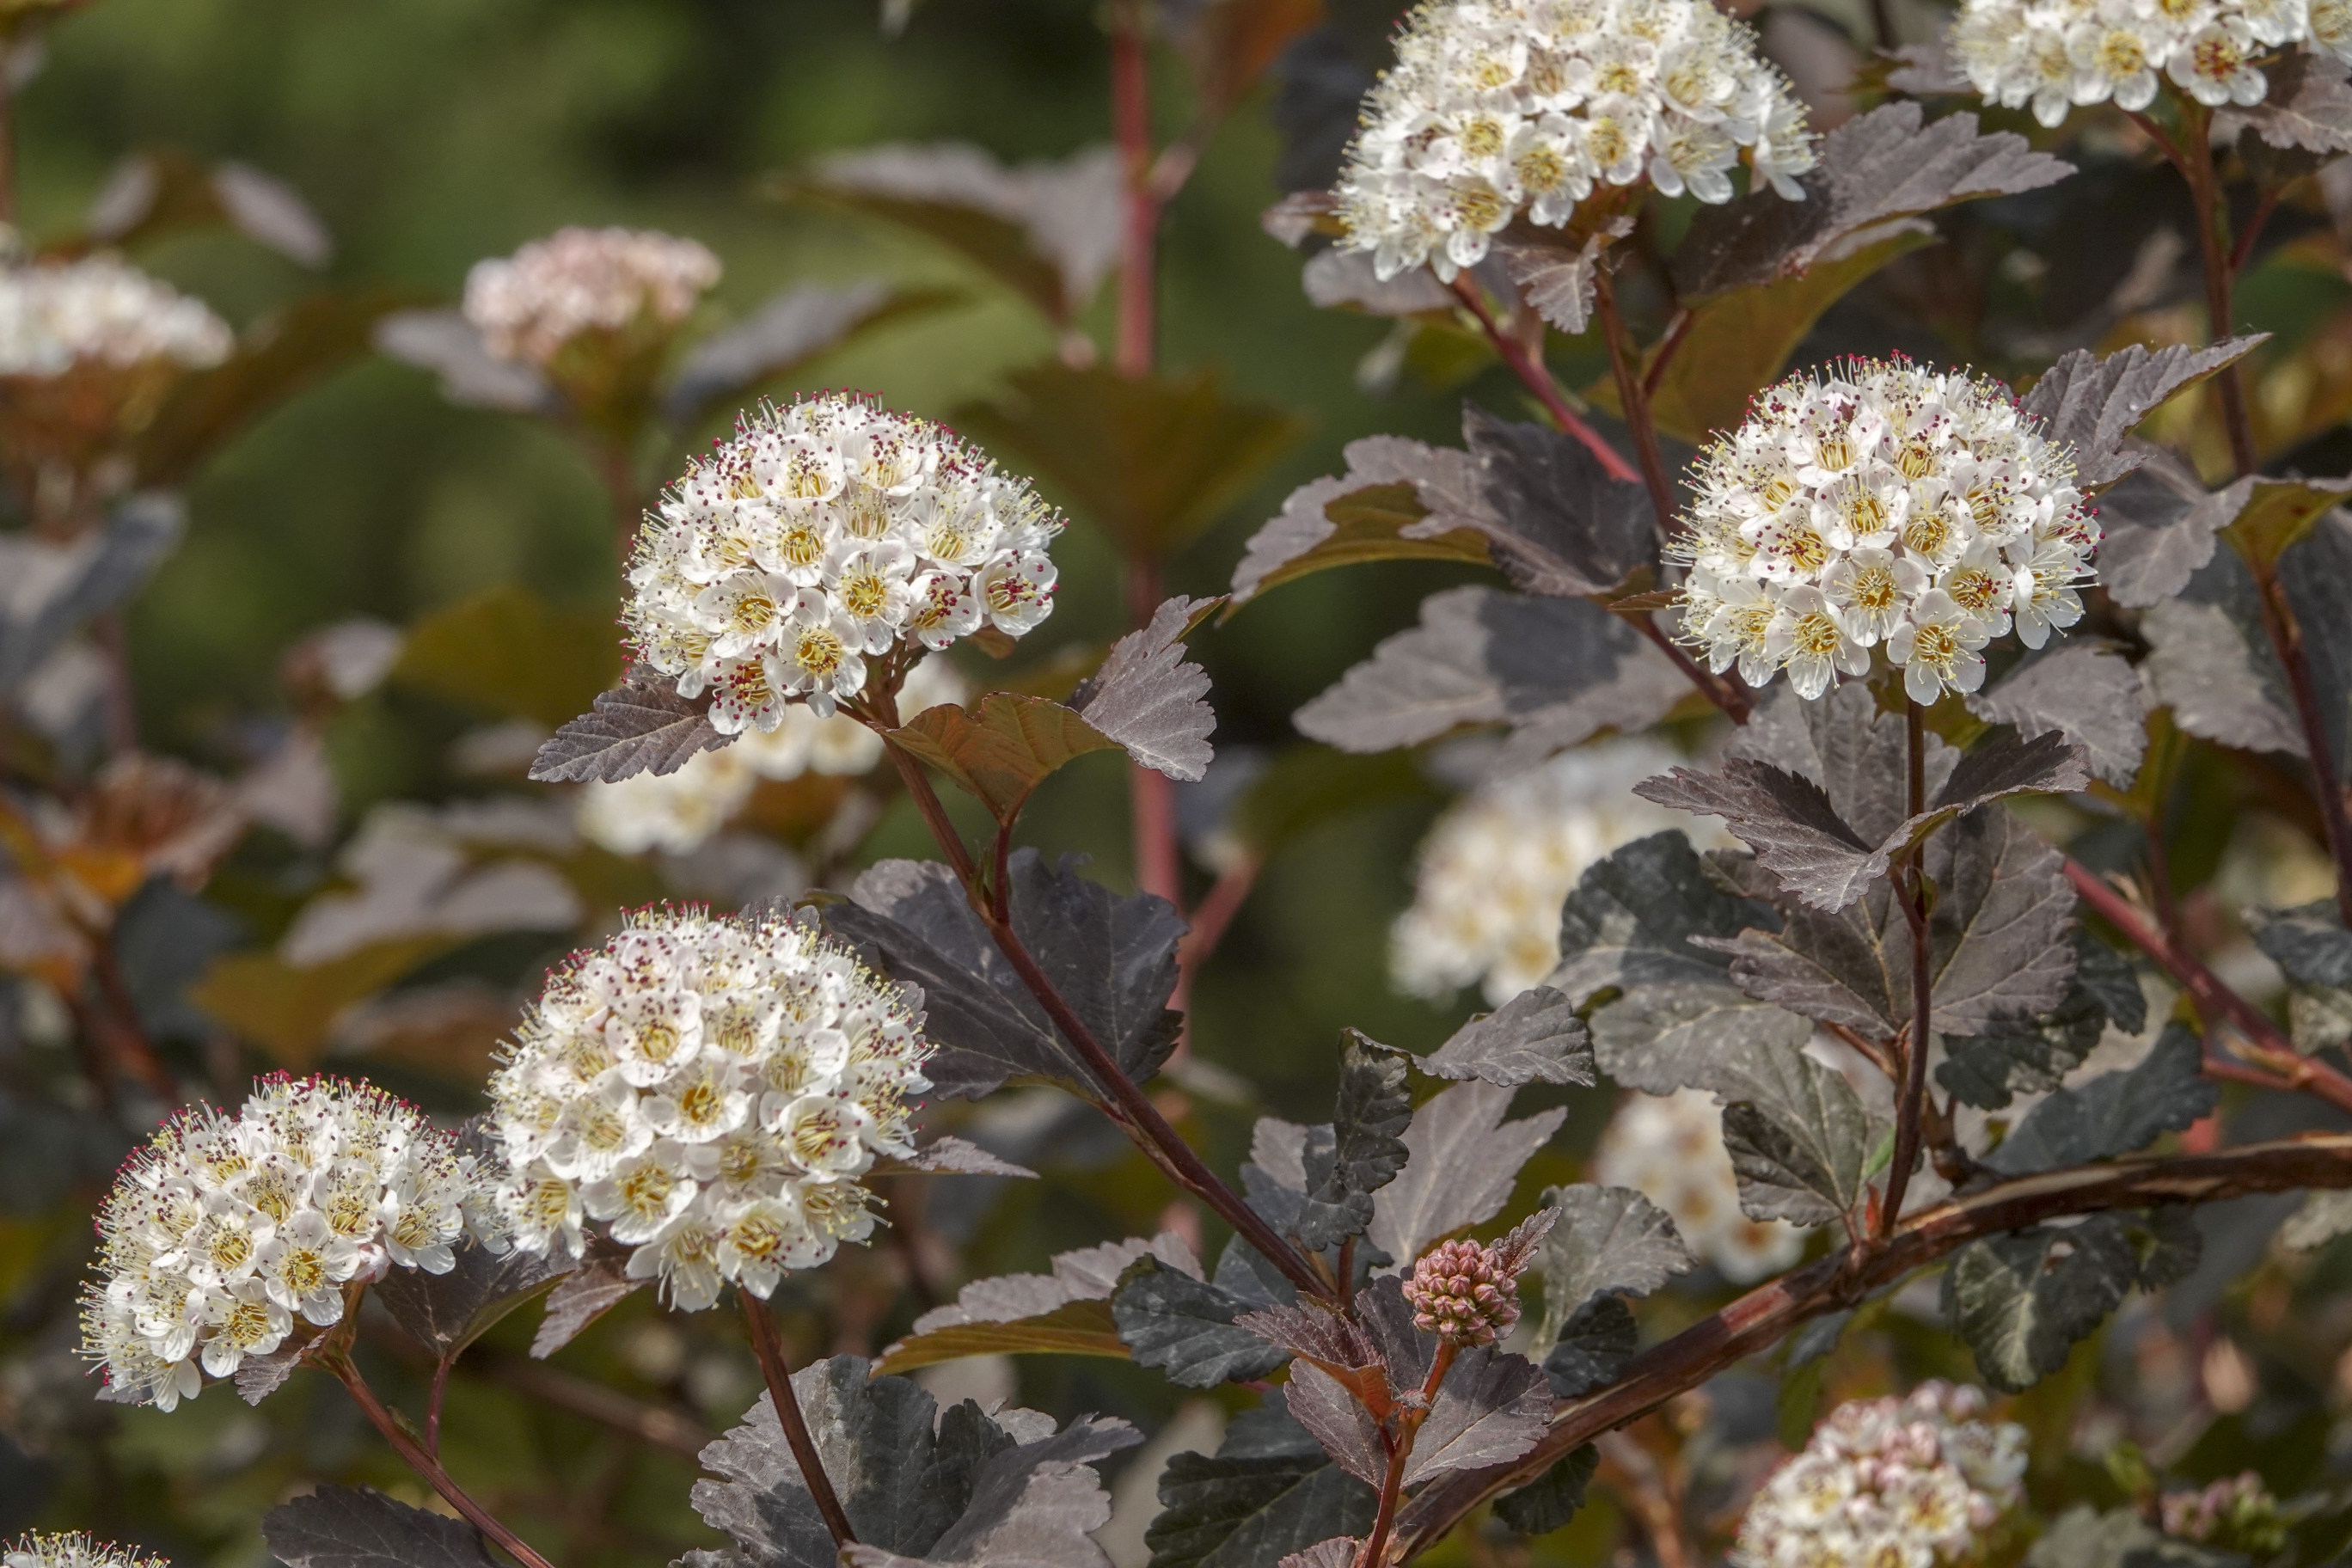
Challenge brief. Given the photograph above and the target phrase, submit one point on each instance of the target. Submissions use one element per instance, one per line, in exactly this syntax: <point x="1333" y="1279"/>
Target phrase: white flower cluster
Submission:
<point x="712" y="1088"/>
<point x="224" y="1229"/>
<point x="55" y="315"/>
<point x="2055" y="54"/>
<point x="1913" y="1481"/>
<point x="1881" y="504"/>
<point x="1670" y="1150"/>
<point x="825" y="532"/>
<point x="678" y="813"/>
<point x="529" y="305"/>
<point x="75" y="1550"/>
<point x="1494" y="870"/>
<point x="1497" y="106"/>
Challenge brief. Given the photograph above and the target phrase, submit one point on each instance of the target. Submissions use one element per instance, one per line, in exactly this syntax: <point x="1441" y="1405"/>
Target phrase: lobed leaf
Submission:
<point x="1065" y="1311"/>
<point x="443" y="1313"/>
<point x="1556" y="670"/>
<point x="642" y="727"/>
<point x="1889" y="164"/>
<point x="1609" y="1242"/>
<point x="997" y="749"/>
<point x="1555" y="278"/>
<point x="1338" y="1421"/>
<point x="1555" y="521"/>
<point x="1146" y="696"/>
<point x="2034" y="1054"/>
<point x="1491" y="1407"/>
<point x="359" y="1527"/>
<point x="2084" y="694"/>
<point x="1185" y="1326"/>
<point x="947" y="1156"/>
<point x="911" y="1485"/>
<point x="1536" y="1037"/>
<point x="2209" y="662"/>
<point x="1374" y="1106"/>
<point x="2022" y="1300"/>
<point x="2093" y="405"/>
<point x="2307" y="107"/>
<point x="1550" y="1501"/>
<point x="1797" y="1134"/>
<point x="1034" y="1504"/>
<point x="1371" y="512"/>
<point x="1112" y="958"/>
<point x="1594" y="1346"/>
<point x="598" y="1285"/>
<point x="1464" y="1160"/>
<point x="2160" y="522"/>
<point x="1270" y="1490"/>
<point x="1339" y="1552"/>
<point x="1629" y="928"/>
<point x="2116" y="1112"/>
<point x="1151" y="460"/>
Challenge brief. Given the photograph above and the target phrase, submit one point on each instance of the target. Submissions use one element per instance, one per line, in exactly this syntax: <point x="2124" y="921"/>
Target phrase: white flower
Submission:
<point x="76" y="1551"/>
<point x="1880" y="504"/>
<point x="827" y="533"/>
<point x="56" y="315"/>
<point x="528" y="306"/>
<point x="2054" y="54"/>
<point x="1499" y="107"/>
<point x="1670" y="1150"/>
<point x="224" y="1230"/>
<point x="1937" y="646"/>
<point x="710" y="1090"/>
<point x="1492" y="874"/>
<point x="1911" y="1482"/>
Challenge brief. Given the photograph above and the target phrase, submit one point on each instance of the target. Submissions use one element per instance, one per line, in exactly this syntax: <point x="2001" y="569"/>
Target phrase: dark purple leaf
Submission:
<point x="644" y="726"/>
<point x="1536" y="1037"/>
<point x="1146" y="696"/>
<point x="2093" y="405"/>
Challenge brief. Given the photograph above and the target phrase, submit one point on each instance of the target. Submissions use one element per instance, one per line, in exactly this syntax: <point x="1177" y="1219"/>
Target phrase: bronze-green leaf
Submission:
<point x="1151" y="460"/>
<point x="1001" y="747"/>
<point x="506" y="651"/>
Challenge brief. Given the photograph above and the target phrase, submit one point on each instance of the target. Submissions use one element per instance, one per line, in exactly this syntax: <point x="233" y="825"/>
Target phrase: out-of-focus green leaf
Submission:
<point x="509" y="652"/>
<point x="1307" y="786"/>
<point x="2279" y="512"/>
<point x="307" y="342"/>
<point x="290" y="1011"/>
<point x="1151" y="460"/>
<point x="1740" y="341"/>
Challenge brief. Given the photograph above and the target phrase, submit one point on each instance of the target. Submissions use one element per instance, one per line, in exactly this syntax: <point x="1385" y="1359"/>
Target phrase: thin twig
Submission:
<point x="1759" y="1319"/>
<point x="440" y="1391"/>
<point x="429" y="1467"/>
<point x="1910" y="1100"/>
<point x="1131" y="85"/>
<point x="1129" y="1107"/>
<point x="778" y="1376"/>
<point x="1633" y="395"/>
<point x="2288" y="1068"/>
<point x="1397" y="1432"/>
<point x="1537" y="377"/>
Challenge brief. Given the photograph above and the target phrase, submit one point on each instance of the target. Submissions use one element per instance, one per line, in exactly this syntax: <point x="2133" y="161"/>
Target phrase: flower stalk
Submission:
<point x="1912" y="889"/>
<point x="778" y="1372"/>
<point x="418" y="1457"/>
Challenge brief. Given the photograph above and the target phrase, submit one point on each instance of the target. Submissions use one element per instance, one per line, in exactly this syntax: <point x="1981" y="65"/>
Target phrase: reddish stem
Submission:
<point x="1131" y="121"/>
<point x="1635" y="396"/>
<point x="424" y="1464"/>
<point x="1537" y="378"/>
<point x="1911" y="1095"/>
<point x="778" y="1374"/>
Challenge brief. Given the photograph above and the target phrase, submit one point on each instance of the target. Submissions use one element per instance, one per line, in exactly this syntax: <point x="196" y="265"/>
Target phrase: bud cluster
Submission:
<point x="1499" y="107"/>
<point x="827" y="532"/>
<point x="225" y="1229"/>
<point x="579" y="280"/>
<point x="711" y="1090"/>
<point x="1463" y="1294"/>
<point x="2237" y="1512"/>
<point x="1911" y="1480"/>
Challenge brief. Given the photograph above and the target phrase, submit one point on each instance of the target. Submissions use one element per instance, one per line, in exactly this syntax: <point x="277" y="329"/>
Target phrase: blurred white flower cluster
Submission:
<point x="2054" y="54"/>
<point x="1881" y="504"/>
<point x="529" y="305"/>
<point x="36" y="1550"/>
<point x="1494" y="870"/>
<point x="1670" y="1150"/>
<point x="827" y="532"/>
<point x="678" y="813"/>
<point x="224" y="1229"/>
<point x="55" y="315"/>
<point x="712" y="1088"/>
<point x="1497" y="106"/>
<point x="1913" y="1481"/>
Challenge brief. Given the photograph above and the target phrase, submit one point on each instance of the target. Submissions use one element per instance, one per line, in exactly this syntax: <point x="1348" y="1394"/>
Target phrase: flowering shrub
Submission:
<point x="749" y="995"/>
